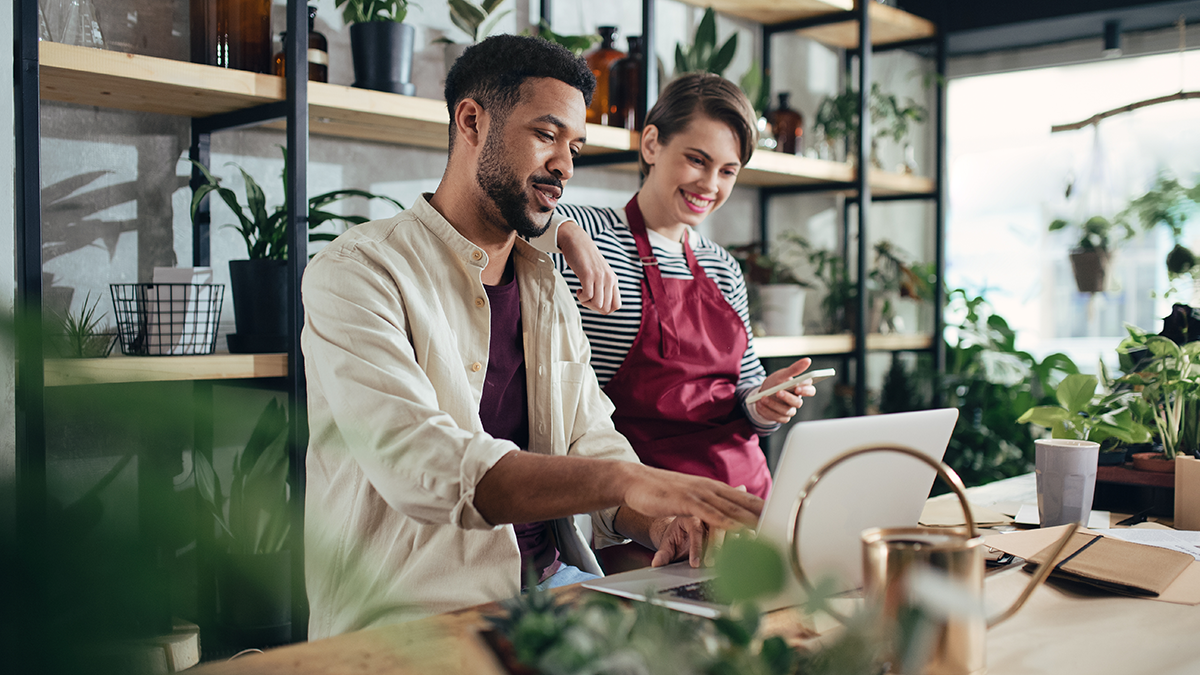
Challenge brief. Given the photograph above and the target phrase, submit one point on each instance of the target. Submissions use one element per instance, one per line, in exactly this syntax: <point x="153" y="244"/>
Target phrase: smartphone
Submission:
<point x="813" y="375"/>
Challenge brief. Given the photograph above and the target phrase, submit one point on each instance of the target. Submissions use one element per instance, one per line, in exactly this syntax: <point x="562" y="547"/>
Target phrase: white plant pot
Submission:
<point x="782" y="309"/>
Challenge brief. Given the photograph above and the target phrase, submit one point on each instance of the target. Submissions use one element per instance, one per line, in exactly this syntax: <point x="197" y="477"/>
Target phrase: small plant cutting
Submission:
<point x="1169" y="381"/>
<point x="1086" y="415"/>
<point x="365" y="11"/>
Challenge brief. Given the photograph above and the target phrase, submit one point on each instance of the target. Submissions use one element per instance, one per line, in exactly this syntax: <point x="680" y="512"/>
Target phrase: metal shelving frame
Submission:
<point x="30" y="393"/>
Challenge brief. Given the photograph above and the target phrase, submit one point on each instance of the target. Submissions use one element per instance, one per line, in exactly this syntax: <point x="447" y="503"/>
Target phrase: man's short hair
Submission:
<point x="492" y="72"/>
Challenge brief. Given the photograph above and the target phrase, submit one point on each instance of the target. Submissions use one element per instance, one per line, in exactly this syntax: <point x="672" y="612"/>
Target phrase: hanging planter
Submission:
<point x="1091" y="269"/>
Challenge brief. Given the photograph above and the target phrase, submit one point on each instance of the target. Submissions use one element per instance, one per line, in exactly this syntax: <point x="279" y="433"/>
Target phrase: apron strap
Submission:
<point x="658" y="293"/>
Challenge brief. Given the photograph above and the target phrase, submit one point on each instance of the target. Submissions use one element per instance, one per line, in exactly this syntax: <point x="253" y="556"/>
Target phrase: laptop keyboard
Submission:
<point x="699" y="591"/>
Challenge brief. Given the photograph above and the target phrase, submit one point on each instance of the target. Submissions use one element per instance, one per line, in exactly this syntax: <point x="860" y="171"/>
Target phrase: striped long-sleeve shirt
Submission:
<point x="612" y="335"/>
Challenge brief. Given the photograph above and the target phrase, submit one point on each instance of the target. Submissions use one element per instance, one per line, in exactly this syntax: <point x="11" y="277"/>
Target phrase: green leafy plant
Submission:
<point x="837" y="116"/>
<point x="364" y="11"/>
<point x="1168" y="377"/>
<point x="257" y="519"/>
<point x="265" y="233"/>
<point x="703" y="54"/>
<point x="1098" y="233"/>
<point x="476" y="20"/>
<point x="1084" y="414"/>
<point x="576" y="44"/>
<point x="766" y="268"/>
<point x="80" y="334"/>
<point x="1170" y="204"/>
<point x="757" y="86"/>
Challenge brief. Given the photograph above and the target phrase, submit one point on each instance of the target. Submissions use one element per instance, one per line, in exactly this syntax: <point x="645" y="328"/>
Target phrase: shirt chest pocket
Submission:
<point x="567" y="382"/>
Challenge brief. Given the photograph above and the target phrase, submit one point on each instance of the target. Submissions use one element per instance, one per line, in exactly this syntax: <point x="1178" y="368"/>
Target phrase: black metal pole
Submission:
<point x="864" y="205"/>
<point x="27" y="589"/>
<point x="201" y="151"/>
<point x="939" y="226"/>
<point x="296" y="53"/>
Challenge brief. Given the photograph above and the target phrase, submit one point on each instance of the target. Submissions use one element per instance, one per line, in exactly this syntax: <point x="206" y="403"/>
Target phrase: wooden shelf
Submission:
<point x="888" y="24"/>
<point x="87" y="76"/>
<point x="1127" y="475"/>
<point x="824" y="345"/>
<point x="114" y="369"/>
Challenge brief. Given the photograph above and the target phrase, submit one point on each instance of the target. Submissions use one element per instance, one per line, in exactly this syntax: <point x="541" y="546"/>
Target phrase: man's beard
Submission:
<point x="507" y="191"/>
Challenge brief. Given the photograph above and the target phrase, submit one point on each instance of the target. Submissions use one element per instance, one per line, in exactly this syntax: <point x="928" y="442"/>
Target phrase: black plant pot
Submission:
<point x="383" y="55"/>
<point x="254" y="599"/>
<point x="260" y="306"/>
<point x="1091" y="269"/>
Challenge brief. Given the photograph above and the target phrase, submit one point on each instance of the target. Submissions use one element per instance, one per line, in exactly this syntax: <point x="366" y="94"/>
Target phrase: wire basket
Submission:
<point x="167" y="319"/>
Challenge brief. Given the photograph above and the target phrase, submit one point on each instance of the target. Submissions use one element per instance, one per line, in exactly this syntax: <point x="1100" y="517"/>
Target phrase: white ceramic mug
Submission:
<point x="1066" y="480"/>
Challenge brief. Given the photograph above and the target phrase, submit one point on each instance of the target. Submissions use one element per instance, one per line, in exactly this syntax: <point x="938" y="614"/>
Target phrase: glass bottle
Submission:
<point x="318" y="52"/>
<point x="625" y="88"/>
<point x="600" y="61"/>
<point x="232" y="34"/>
<point x="788" y="125"/>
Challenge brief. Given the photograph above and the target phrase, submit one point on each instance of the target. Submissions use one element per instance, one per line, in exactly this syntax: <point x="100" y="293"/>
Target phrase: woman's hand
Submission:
<point x="597" y="281"/>
<point x="781" y="406"/>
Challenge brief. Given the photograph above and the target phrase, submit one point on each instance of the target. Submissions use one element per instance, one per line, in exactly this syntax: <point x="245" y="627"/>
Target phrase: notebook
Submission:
<point x="876" y="490"/>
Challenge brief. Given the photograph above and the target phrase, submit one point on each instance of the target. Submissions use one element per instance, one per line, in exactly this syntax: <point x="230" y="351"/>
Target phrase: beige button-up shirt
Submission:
<point x="395" y="342"/>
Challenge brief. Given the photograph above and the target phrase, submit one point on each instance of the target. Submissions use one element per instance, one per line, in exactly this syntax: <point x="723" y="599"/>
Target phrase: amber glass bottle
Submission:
<point x="600" y="61"/>
<point x="232" y="33"/>
<point x="788" y="125"/>
<point x="318" y="52"/>
<point x="625" y="99"/>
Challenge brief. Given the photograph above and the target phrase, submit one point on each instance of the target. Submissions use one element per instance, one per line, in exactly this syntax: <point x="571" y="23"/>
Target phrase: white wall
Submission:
<point x="8" y="159"/>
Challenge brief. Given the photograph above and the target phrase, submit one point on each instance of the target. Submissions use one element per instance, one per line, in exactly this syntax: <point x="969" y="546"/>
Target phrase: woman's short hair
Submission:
<point x="706" y="94"/>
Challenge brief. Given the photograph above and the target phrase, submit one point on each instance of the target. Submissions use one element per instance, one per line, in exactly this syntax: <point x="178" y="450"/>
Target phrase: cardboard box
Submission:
<point x="1187" y="493"/>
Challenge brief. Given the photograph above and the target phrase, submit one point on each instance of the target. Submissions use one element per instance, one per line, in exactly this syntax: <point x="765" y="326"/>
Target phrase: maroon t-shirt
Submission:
<point x="504" y="411"/>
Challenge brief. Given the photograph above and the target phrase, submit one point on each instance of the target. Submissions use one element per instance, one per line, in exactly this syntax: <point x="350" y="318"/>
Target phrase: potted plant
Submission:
<point x="1090" y="258"/>
<point x="894" y="278"/>
<point x="891" y="120"/>
<point x="779" y="292"/>
<point x="253" y="571"/>
<point x="381" y="44"/>
<point x="1086" y="415"/>
<point x="1170" y="204"/>
<point x="837" y="120"/>
<point x="259" y="284"/>
<point x="1168" y="378"/>
<point x="80" y="335"/>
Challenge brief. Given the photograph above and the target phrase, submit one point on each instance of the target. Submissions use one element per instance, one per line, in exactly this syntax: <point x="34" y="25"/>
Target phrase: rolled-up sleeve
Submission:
<point x="373" y="394"/>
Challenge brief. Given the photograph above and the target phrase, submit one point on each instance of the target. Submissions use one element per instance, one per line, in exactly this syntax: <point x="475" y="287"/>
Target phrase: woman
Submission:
<point x="676" y="357"/>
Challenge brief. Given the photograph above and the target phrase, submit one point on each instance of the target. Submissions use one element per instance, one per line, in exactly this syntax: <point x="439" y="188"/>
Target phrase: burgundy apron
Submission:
<point x="675" y="392"/>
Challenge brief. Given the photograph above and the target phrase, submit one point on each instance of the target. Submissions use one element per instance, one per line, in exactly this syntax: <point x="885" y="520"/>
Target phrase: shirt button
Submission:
<point x="477" y="255"/>
<point x="476" y="367"/>
<point x="541" y="370"/>
<point x="541" y="428"/>
<point x="479" y="302"/>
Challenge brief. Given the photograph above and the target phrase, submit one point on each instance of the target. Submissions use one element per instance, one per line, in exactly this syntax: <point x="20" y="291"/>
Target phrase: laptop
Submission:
<point x="875" y="490"/>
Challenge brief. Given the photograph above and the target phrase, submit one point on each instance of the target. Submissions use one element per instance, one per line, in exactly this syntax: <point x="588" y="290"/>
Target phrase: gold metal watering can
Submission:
<point x="891" y="555"/>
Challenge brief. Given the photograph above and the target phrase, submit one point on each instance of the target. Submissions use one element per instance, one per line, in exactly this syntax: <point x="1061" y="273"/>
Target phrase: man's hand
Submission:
<point x="781" y="406"/>
<point x="671" y="512"/>
<point x="597" y="281"/>
<point x="673" y="537"/>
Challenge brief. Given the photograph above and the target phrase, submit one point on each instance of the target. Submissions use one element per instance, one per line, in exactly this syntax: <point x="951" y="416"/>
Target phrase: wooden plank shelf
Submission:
<point x="115" y="369"/>
<point x="825" y="345"/>
<point x="888" y="24"/>
<point x="87" y="76"/>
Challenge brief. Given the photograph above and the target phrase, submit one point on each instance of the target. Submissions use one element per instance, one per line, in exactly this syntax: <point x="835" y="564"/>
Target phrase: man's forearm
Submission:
<point x="525" y="487"/>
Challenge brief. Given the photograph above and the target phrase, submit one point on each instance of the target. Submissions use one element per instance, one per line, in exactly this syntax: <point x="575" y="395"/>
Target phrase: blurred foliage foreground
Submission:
<point x="601" y="634"/>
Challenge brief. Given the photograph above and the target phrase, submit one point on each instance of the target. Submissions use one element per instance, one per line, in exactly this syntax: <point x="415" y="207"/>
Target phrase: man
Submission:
<point x="456" y="426"/>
